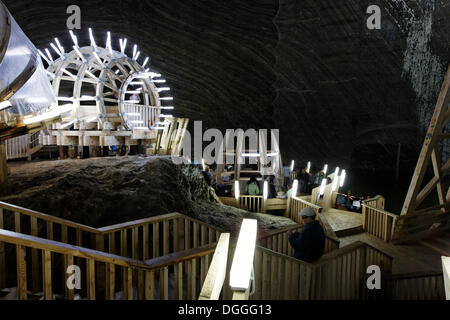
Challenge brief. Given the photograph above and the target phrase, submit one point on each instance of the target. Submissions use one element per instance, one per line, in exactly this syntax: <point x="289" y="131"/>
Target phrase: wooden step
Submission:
<point x="349" y="231"/>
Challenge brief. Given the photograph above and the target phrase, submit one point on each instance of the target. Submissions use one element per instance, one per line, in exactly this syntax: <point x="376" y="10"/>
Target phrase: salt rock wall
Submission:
<point x="104" y="191"/>
<point x="338" y="92"/>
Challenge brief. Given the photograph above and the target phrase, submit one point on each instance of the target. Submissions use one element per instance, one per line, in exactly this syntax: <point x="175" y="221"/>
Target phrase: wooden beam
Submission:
<point x="446" y="271"/>
<point x="3" y="166"/>
<point x="437" y="172"/>
<point x="431" y="139"/>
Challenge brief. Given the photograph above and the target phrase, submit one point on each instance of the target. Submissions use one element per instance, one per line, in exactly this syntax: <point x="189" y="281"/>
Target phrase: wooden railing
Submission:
<point x="340" y="274"/>
<point x="415" y="286"/>
<point x="296" y="204"/>
<point x="251" y="203"/>
<point x="120" y="277"/>
<point x="142" y="115"/>
<point x="378" y="222"/>
<point x="278" y="240"/>
<point x="141" y="239"/>
<point x="376" y="202"/>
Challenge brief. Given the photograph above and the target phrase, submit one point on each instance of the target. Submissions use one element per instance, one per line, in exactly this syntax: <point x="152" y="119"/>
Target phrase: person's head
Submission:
<point x="321" y="173"/>
<point x="303" y="170"/>
<point x="252" y="179"/>
<point x="206" y="169"/>
<point x="271" y="179"/>
<point x="307" y="214"/>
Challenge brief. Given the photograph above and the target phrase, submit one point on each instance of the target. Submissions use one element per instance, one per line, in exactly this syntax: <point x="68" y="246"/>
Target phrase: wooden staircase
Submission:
<point x="168" y="257"/>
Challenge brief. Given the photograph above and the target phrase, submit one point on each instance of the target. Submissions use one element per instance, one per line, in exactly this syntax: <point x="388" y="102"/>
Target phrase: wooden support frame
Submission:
<point x="3" y="166"/>
<point x="429" y="153"/>
<point x="446" y="271"/>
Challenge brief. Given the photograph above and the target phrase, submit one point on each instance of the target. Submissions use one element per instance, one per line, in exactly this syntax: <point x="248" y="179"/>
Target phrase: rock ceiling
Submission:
<point x="337" y="91"/>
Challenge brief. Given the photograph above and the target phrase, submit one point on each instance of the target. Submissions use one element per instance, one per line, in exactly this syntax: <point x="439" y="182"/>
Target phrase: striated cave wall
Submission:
<point x="338" y="92"/>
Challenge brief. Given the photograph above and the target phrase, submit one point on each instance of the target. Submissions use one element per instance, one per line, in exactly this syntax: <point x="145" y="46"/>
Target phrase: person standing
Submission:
<point x="309" y="243"/>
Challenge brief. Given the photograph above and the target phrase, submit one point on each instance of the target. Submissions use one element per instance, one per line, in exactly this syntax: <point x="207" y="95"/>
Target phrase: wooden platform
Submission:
<point x="341" y="220"/>
<point x="408" y="258"/>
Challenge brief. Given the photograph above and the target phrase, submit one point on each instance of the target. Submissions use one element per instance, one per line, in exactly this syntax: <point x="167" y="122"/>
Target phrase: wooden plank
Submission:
<point x="129" y="283"/>
<point x="3" y="165"/>
<point x="17" y="222"/>
<point x="165" y="237"/>
<point x="156" y="240"/>
<point x="34" y="257"/>
<point x="134" y="243"/>
<point x="90" y="278"/>
<point x="111" y="281"/>
<point x="47" y="274"/>
<point x="446" y="273"/>
<point x="2" y="256"/>
<point x="149" y="285"/>
<point x="215" y="278"/>
<point x="21" y="272"/>
<point x="69" y="293"/>
<point x="49" y="230"/>
<point x="427" y="148"/>
<point x="145" y="244"/>
<point x="178" y="279"/>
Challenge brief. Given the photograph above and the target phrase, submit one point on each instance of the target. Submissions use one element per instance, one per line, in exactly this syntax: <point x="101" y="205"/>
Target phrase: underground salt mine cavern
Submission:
<point x="212" y="150"/>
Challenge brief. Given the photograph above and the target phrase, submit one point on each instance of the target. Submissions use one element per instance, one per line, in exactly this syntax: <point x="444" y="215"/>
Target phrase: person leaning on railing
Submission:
<point x="309" y="243"/>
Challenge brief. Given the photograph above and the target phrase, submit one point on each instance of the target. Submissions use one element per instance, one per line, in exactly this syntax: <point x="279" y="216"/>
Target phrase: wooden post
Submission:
<point x="446" y="271"/>
<point x="3" y="166"/>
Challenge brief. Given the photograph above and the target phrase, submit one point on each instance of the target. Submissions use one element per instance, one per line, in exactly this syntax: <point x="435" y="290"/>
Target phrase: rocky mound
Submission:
<point x="104" y="191"/>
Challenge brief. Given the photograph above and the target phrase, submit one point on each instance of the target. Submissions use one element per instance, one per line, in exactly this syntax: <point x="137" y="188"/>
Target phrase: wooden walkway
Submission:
<point x="342" y="220"/>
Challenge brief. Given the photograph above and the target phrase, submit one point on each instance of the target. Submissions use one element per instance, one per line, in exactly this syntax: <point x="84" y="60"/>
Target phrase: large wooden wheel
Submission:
<point x="105" y="90"/>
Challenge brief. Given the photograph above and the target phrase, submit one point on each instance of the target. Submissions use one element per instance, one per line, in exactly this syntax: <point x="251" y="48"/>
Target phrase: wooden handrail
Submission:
<point x="312" y="205"/>
<point x="67" y="249"/>
<point x="178" y="257"/>
<point x="377" y="197"/>
<point x="46" y="217"/>
<point x="395" y="216"/>
<point x="137" y="223"/>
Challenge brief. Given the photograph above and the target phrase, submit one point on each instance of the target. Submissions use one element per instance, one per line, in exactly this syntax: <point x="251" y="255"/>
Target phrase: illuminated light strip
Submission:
<point x="134" y="50"/>
<point x="325" y="169"/>
<point x="48" y="54"/>
<point x="294" y="188"/>
<point x="137" y="121"/>
<point x="163" y="89"/>
<point x="136" y="83"/>
<point x="265" y="190"/>
<point x="166" y="116"/>
<point x="274" y="154"/>
<point x="132" y="101"/>
<point x="166" y="108"/>
<point x="166" y="99"/>
<point x="79" y="54"/>
<point x="141" y="128"/>
<point x="322" y="187"/>
<point x="74" y="38"/>
<point x="123" y="45"/>
<point x="251" y="155"/>
<point x="159" y="81"/>
<point x="308" y="167"/>
<point x="145" y="62"/>
<point x="91" y="36"/>
<point x="44" y="57"/>
<point x="98" y="59"/>
<point x="236" y="189"/>
<point x="137" y="56"/>
<point x="108" y="42"/>
<point x="343" y="174"/>
<point x="203" y="164"/>
<point x="56" y="50"/>
<point x="5" y="105"/>
<point x="242" y="265"/>
<point x="292" y="165"/>
<point x="61" y="48"/>
<point x="335" y="180"/>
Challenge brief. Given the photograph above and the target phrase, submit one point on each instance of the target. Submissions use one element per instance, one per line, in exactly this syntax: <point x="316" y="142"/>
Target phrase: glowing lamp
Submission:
<point x="236" y="189"/>
<point x="241" y="268"/>
<point x="343" y="174"/>
<point x="294" y="188"/>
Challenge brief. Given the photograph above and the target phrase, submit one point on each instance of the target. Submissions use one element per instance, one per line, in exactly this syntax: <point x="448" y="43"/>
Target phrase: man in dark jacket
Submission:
<point x="309" y="243"/>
